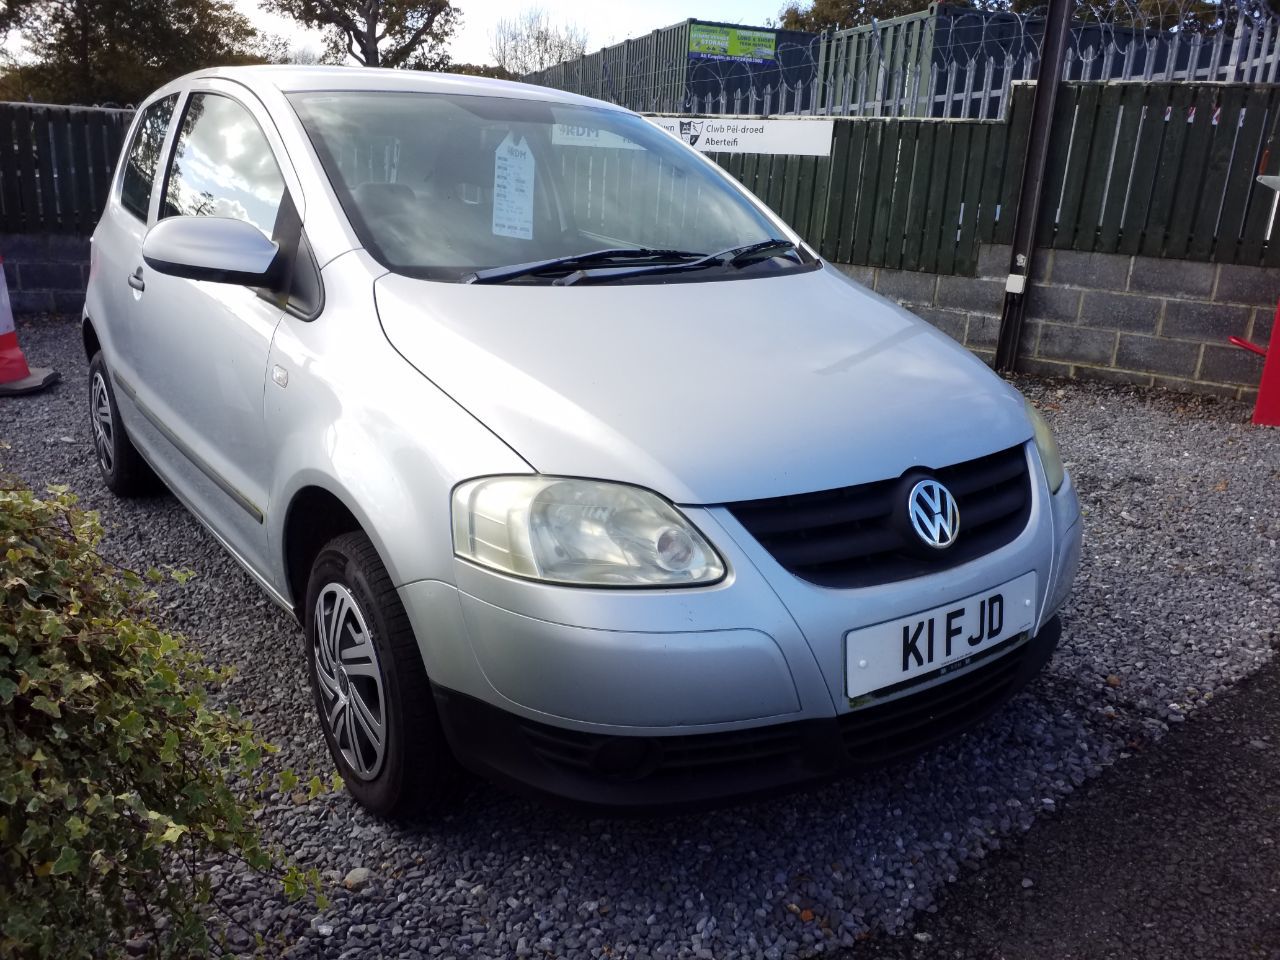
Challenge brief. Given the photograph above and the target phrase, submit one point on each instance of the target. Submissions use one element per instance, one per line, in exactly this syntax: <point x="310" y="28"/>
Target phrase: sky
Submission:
<point x="605" y="21"/>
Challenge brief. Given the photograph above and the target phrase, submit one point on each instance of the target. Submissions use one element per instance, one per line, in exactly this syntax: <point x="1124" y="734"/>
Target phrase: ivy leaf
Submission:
<point x="68" y="862"/>
<point x="169" y="750"/>
<point x="294" y="884"/>
<point x="45" y="705"/>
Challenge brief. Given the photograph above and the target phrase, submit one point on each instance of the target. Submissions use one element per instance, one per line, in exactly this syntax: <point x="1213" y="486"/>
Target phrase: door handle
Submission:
<point x="136" y="281"/>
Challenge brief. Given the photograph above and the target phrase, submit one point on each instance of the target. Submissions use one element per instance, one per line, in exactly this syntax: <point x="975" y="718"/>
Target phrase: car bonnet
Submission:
<point x="706" y="392"/>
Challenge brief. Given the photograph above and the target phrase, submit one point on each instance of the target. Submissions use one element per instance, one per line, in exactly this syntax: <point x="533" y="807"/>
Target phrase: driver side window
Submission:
<point x="223" y="166"/>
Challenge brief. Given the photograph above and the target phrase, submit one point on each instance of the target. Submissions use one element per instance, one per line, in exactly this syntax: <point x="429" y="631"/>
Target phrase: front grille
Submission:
<point x="919" y="719"/>
<point x="850" y="537"/>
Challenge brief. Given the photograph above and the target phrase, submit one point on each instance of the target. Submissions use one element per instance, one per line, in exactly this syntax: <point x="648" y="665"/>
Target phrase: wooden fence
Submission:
<point x="1158" y="169"/>
<point x="55" y="165"/>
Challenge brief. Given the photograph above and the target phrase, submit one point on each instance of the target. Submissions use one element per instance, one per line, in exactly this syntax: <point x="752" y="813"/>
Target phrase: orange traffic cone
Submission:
<point x="15" y="376"/>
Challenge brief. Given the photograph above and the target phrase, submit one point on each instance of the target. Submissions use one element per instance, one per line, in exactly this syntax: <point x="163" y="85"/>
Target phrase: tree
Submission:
<point x="277" y="49"/>
<point x="94" y="51"/>
<point x="302" y="56"/>
<point x="378" y="33"/>
<point x="530" y="42"/>
<point x="480" y="70"/>
<point x="819" y="15"/>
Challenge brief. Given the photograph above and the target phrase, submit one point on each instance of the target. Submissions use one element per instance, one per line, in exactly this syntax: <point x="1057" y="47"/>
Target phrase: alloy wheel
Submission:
<point x="103" y="426"/>
<point x="350" y="680"/>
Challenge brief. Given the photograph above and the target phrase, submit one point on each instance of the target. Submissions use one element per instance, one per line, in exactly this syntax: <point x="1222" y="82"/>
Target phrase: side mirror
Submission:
<point x="211" y="248"/>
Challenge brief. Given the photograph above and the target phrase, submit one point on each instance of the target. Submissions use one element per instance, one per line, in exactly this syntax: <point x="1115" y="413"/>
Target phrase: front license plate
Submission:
<point x="899" y="650"/>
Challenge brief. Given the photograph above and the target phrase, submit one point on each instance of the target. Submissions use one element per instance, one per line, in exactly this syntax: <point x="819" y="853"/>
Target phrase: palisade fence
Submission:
<point x="1158" y="169"/>
<point x="954" y="61"/>
<point x="944" y="61"/>
<point x="56" y="164"/>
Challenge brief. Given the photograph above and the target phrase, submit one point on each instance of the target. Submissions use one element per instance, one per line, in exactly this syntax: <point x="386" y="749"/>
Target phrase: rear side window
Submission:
<point x="223" y="166"/>
<point x="144" y="157"/>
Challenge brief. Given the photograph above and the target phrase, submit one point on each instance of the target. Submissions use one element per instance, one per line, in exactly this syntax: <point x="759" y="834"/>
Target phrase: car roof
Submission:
<point x="291" y="78"/>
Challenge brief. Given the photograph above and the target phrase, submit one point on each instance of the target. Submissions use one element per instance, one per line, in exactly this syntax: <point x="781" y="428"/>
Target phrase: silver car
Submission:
<point x="579" y="468"/>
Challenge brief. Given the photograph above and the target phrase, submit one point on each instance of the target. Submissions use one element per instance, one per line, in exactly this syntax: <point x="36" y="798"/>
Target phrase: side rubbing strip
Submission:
<point x="221" y="482"/>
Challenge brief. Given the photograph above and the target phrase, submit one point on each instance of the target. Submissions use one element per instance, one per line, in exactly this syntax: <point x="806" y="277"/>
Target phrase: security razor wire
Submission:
<point x="945" y="61"/>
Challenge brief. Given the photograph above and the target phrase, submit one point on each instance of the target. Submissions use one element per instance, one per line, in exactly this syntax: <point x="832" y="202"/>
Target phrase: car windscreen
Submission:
<point x="441" y="186"/>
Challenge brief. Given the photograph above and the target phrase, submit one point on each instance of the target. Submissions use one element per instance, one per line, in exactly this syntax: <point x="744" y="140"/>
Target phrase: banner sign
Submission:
<point x="573" y="135"/>
<point x="800" y="137"/>
<point x="731" y="43"/>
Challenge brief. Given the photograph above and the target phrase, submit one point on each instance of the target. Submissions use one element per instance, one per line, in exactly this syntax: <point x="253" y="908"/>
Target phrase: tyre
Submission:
<point x="123" y="470"/>
<point x="370" y="688"/>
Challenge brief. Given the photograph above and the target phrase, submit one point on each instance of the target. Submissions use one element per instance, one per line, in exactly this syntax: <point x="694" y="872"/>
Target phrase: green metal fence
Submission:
<point x="1158" y="169"/>
<point x="880" y="68"/>
<point x="656" y="72"/>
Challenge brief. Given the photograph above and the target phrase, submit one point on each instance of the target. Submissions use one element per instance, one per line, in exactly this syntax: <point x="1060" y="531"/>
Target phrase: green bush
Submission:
<point x="119" y="778"/>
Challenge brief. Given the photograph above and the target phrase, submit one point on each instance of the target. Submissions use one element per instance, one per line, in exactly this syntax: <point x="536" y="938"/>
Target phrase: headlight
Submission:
<point x="583" y="532"/>
<point x="1048" y="447"/>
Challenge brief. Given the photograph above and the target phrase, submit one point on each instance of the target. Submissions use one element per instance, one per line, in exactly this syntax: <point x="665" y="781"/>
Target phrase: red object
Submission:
<point x="1251" y="347"/>
<point x="1266" y="413"/>
<point x="13" y="365"/>
<point x="16" y="378"/>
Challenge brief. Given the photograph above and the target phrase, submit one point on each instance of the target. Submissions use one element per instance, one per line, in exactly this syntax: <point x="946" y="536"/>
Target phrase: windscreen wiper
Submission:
<point x="594" y="258"/>
<point x="737" y="256"/>
<point x="732" y="257"/>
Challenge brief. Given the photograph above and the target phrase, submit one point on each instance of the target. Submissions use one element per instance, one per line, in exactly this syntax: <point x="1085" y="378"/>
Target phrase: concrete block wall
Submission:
<point x="1091" y="315"/>
<point x="46" y="272"/>
<point x="1107" y="316"/>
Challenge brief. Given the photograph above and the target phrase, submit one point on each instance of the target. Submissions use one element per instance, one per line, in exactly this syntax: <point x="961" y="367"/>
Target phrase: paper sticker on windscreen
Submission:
<point x="513" y="173"/>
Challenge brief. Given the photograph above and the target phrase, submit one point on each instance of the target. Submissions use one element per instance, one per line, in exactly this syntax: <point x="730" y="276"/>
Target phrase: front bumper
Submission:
<point x="762" y="646"/>
<point x="699" y="694"/>
<point x="639" y="772"/>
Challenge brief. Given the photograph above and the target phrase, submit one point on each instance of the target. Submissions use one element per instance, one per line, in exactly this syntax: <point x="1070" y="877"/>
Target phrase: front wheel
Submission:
<point x="370" y="688"/>
<point x="122" y="468"/>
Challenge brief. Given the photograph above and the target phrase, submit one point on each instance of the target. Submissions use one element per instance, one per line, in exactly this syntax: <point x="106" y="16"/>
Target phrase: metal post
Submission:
<point x="1048" y="79"/>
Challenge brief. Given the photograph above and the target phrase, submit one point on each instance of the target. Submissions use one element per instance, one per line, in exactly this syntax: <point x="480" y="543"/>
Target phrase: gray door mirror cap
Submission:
<point x="219" y="249"/>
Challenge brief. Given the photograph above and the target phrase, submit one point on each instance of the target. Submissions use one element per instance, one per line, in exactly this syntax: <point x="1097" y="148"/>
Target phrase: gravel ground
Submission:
<point x="1176" y="600"/>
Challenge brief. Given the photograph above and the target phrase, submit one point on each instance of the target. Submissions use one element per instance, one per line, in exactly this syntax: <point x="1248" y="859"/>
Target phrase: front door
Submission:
<point x="203" y="359"/>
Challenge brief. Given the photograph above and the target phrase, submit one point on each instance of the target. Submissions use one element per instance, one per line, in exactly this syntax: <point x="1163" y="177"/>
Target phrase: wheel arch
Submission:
<point x="89" y="337"/>
<point x="315" y="516"/>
